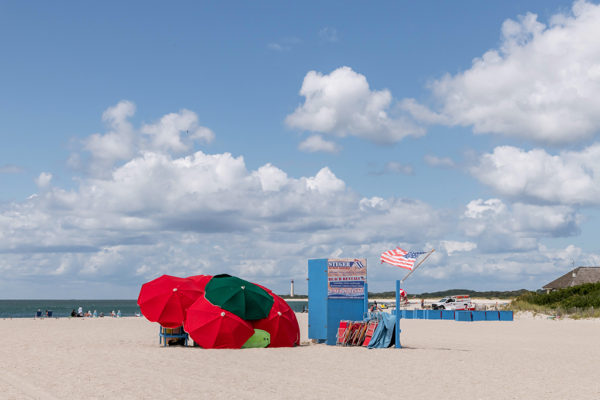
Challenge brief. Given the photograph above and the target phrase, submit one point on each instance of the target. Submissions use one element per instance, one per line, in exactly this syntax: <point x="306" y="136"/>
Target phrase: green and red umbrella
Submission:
<point x="238" y="296"/>
<point x="166" y="299"/>
<point x="212" y="327"/>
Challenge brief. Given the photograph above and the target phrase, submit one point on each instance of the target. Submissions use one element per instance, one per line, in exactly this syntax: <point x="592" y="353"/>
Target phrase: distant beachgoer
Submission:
<point x="80" y="312"/>
<point x="422" y="303"/>
<point x="95" y="314"/>
<point x="101" y="314"/>
<point x="374" y="308"/>
<point x="118" y="313"/>
<point x="112" y="313"/>
<point x="73" y="313"/>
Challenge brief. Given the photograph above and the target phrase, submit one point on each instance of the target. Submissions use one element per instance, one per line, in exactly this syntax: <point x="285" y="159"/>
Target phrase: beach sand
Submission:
<point x="120" y="358"/>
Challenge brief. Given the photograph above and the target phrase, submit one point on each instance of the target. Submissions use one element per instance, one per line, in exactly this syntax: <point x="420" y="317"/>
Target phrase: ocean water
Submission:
<point x="63" y="308"/>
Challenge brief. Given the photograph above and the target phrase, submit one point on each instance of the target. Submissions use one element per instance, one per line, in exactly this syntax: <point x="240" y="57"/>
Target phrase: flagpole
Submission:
<point x="398" y="287"/>
<point x="417" y="266"/>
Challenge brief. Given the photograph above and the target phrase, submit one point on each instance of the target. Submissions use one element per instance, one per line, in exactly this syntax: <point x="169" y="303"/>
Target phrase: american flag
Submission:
<point x="401" y="258"/>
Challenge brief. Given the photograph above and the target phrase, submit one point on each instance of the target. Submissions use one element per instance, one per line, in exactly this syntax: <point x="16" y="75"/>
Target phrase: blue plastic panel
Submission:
<point x="408" y="314"/>
<point x="419" y="314"/>
<point x="463" y="316"/>
<point x="317" y="299"/>
<point x="492" y="316"/>
<point x="506" y="315"/>
<point x="433" y="314"/>
<point x="478" y="315"/>
<point x="339" y="310"/>
<point x="447" y="314"/>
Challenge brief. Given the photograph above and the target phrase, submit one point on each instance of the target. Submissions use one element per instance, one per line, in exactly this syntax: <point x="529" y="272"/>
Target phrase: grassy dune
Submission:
<point x="582" y="301"/>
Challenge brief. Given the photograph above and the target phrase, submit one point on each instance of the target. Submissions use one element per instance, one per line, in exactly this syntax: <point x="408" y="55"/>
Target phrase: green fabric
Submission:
<point x="240" y="297"/>
<point x="260" y="339"/>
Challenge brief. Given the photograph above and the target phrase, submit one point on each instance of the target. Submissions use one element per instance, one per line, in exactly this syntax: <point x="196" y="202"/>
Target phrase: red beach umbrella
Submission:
<point x="281" y="324"/>
<point x="215" y="328"/>
<point x="200" y="280"/>
<point x="166" y="298"/>
<point x="266" y="289"/>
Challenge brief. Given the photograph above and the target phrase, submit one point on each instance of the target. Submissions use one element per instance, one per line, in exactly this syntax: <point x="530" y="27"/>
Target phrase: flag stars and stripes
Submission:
<point x="401" y="258"/>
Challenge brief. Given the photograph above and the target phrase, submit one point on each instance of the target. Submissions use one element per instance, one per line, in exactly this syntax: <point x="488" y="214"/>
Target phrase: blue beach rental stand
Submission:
<point x="337" y="290"/>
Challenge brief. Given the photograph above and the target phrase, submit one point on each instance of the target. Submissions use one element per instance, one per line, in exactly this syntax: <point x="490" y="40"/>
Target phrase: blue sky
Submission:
<point x="208" y="137"/>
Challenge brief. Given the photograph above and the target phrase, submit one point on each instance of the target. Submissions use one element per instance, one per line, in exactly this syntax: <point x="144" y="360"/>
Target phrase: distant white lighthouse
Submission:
<point x="292" y="288"/>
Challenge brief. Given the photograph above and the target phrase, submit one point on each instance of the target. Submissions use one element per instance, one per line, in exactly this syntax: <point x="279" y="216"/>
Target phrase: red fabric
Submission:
<point x="264" y="288"/>
<point x="166" y="299"/>
<point x="200" y="280"/>
<point x="212" y="327"/>
<point x="281" y="324"/>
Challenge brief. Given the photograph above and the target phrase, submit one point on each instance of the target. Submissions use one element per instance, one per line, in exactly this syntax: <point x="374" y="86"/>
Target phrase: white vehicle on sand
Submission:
<point x="462" y="302"/>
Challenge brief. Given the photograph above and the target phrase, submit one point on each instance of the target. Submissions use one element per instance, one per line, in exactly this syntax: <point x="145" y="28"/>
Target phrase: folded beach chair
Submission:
<point x="352" y="333"/>
<point x="362" y="334"/>
<point x="341" y="333"/>
<point x="372" y="325"/>
<point x="38" y="314"/>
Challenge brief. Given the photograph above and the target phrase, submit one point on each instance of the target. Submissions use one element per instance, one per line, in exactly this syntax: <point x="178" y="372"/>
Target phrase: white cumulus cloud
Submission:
<point x="542" y="84"/>
<point x="315" y="143"/>
<point x="498" y="227"/>
<point x="342" y="104"/>
<point x="43" y="180"/>
<point x="571" y="177"/>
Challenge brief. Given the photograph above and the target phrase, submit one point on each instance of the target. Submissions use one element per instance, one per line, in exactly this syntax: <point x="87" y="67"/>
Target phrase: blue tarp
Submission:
<point x="384" y="333"/>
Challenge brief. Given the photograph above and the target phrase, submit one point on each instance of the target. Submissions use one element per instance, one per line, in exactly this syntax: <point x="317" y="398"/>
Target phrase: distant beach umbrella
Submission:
<point x="243" y="298"/>
<point x="166" y="299"/>
<point x="211" y="327"/>
<point x="281" y="324"/>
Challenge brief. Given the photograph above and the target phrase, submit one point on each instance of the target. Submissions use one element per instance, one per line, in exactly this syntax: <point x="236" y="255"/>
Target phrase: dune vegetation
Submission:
<point x="581" y="301"/>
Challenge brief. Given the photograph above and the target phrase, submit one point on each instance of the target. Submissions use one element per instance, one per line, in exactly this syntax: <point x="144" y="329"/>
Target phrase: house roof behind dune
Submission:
<point x="578" y="276"/>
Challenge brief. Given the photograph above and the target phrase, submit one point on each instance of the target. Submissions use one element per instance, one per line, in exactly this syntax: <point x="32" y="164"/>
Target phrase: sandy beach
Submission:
<point x="120" y="358"/>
